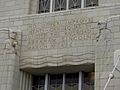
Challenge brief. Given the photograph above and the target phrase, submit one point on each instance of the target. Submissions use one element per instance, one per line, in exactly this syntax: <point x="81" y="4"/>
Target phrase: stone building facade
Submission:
<point x="65" y="48"/>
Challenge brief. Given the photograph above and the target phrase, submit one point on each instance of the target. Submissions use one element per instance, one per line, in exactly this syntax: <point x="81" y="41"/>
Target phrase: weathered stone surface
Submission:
<point x="58" y="34"/>
<point x="59" y="39"/>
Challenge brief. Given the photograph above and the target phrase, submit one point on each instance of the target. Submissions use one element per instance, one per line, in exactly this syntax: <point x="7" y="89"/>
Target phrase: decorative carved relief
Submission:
<point x="104" y="37"/>
<point x="58" y="34"/>
<point x="11" y="44"/>
<point x="104" y="41"/>
<point x="60" y="60"/>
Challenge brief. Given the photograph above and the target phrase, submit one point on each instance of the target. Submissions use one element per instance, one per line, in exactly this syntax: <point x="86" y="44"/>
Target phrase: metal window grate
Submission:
<point x="44" y="6"/>
<point x="60" y="5"/>
<point x="74" y="4"/>
<point x="91" y="3"/>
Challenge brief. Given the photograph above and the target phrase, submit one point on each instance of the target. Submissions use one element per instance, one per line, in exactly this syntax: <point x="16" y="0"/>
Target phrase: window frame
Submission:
<point x="63" y="77"/>
<point x="83" y="4"/>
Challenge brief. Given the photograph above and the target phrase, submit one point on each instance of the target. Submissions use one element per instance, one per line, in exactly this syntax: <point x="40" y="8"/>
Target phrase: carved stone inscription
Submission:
<point x="58" y="34"/>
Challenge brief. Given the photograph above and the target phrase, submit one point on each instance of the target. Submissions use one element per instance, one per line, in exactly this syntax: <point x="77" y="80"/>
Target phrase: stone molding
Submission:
<point x="56" y="60"/>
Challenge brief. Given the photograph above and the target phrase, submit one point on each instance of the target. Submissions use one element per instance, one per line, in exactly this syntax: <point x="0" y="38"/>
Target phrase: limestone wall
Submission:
<point x="25" y="81"/>
<point x="105" y="47"/>
<point x="9" y="63"/>
<point x="13" y="7"/>
<point x="108" y="2"/>
<point x="10" y="8"/>
<point x="9" y="67"/>
<point x="66" y="36"/>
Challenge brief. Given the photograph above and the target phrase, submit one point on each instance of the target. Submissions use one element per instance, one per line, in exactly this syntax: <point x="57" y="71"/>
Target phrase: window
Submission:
<point x="55" y="82"/>
<point x="44" y="6"/>
<point x="74" y="4"/>
<point x="90" y="3"/>
<point x="69" y="81"/>
<point x="60" y="5"/>
<point x="88" y="83"/>
<point x="38" y="83"/>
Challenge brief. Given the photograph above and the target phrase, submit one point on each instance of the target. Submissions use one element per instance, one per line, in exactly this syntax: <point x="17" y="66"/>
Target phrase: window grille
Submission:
<point x="44" y="6"/>
<point x="71" y="81"/>
<point x="38" y="83"/>
<point x="55" y="82"/>
<point x="90" y="3"/>
<point x="60" y="5"/>
<point x="74" y="4"/>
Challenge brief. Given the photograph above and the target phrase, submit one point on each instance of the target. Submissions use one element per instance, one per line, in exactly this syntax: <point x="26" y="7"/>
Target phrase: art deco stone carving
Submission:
<point x="54" y="35"/>
<point x="104" y="40"/>
<point x="104" y="35"/>
<point x="58" y="34"/>
<point x="57" y="60"/>
<point x="10" y="45"/>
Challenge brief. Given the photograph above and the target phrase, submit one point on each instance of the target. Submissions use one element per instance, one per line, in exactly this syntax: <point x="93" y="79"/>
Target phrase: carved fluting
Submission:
<point x="58" y="34"/>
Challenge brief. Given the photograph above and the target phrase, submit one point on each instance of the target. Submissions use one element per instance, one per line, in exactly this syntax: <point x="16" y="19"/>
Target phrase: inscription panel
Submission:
<point x="59" y="34"/>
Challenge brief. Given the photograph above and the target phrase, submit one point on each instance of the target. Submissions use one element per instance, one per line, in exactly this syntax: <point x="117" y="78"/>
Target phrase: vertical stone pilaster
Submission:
<point x="104" y="58"/>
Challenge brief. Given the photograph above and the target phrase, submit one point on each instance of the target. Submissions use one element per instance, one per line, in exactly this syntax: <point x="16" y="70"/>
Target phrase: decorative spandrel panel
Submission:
<point x="59" y="33"/>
